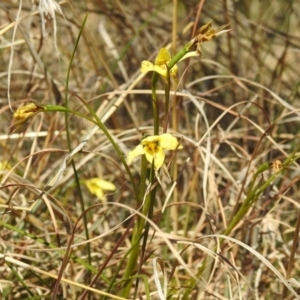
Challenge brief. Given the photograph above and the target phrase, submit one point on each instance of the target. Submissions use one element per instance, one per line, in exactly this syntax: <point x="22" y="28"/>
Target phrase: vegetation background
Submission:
<point x="236" y="112"/>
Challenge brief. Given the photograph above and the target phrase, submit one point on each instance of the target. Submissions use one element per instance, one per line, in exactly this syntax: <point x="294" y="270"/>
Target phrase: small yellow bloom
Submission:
<point x="160" y="64"/>
<point x="24" y="113"/>
<point x="97" y="186"/>
<point x="153" y="147"/>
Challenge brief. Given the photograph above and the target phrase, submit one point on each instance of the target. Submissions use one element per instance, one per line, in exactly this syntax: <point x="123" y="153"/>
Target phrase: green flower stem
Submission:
<point x="119" y="268"/>
<point x="137" y="230"/>
<point x="155" y="77"/>
<point x="67" y="110"/>
<point x="143" y="180"/>
<point x="132" y="261"/>
<point x="147" y="211"/>
<point x="117" y="149"/>
<point x="181" y="53"/>
<point x="57" y="108"/>
<point x="167" y="103"/>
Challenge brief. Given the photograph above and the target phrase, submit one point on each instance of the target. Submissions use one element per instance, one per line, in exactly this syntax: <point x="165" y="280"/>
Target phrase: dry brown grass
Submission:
<point x="236" y="108"/>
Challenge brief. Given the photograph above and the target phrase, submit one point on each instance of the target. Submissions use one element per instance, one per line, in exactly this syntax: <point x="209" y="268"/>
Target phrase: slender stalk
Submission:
<point x="117" y="149"/>
<point x="155" y="77"/>
<point x="85" y="221"/>
<point x="139" y="226"/>
<point x="136" y="234"/>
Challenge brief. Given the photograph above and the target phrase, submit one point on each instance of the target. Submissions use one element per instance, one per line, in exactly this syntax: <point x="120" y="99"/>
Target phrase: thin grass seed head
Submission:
<point x="153" y="147"/>
<point x="47" y="10"/>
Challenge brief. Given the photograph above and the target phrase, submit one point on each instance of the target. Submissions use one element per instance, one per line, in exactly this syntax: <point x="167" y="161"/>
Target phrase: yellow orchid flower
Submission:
<point x="153" y="147"/>
<point x="97" y="186"/>
<point x="24" y="113"/>
<point x="160" y="64"/>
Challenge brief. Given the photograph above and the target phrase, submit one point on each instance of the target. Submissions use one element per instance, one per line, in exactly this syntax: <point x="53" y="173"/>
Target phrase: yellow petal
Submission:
<point x="161" y="61"/>
<point x="169" y="142"/>
<point x="159" y="158"/>
<point x="173" y="71"/>
<point x="97" y="185"/>
<point x="138" y="150"/>
<point x="161" y="70"/>
<point x="26" y="111"/>
<point x="163" y="57"/>
<point x="93" y="187"/>
<point x="106" y="185"/>
<point x="99" y="193"/>
<point x="146" y="66"/>
<point x="150" y="139"/>
<point x="149" y="155"/>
